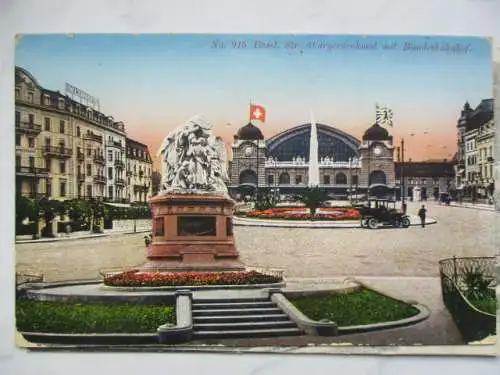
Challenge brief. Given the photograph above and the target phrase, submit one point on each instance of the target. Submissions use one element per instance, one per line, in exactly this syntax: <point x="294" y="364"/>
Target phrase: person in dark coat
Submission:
<point x="421" y="213"/>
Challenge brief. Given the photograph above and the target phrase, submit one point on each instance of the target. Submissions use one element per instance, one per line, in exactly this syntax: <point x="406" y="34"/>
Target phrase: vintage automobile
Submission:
<point x="382" y="212"/>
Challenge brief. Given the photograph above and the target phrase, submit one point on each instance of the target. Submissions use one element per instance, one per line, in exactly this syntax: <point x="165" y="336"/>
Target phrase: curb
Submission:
<point x="492" y="209"/>
<point x="57" y="239"/>
<point x="307" y="224"/>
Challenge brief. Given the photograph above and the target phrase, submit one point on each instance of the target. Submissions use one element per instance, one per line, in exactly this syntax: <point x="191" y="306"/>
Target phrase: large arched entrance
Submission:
<point x="377" y="178"/>
<point x="248" y="177"/>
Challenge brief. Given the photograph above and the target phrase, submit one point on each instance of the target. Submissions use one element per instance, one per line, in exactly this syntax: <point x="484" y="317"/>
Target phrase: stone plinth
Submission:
<point x="192" y="232"/>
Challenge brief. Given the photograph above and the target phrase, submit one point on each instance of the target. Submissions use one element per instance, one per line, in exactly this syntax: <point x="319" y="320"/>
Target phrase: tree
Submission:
<point x="48" y="209"/>
<point x="25" y="209"/>
<point x="313" y="198"/>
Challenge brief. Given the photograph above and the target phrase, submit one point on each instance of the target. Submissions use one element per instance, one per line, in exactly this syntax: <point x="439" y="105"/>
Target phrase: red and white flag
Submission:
<point x="257" y="112"/>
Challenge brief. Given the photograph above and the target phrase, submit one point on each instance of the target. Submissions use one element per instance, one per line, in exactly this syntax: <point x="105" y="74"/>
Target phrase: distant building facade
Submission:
<point x="475" y="156"/>
<point x="139" y="172"/>
<point x="426" y="179"/>
<point x="64" y="149"/>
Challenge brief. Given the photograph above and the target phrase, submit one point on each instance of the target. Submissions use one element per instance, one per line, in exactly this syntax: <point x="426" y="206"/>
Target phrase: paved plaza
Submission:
<point x="301" y="252"/>
<point x="402" y="263"/>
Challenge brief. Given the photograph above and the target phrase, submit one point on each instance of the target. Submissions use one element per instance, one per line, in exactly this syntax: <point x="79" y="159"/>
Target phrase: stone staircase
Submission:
<point x="240" y="318"/>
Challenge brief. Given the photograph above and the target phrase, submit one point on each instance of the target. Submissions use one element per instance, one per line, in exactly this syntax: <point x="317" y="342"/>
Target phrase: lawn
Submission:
<point x="59" y="317"/>
<point x="358" y="308"/>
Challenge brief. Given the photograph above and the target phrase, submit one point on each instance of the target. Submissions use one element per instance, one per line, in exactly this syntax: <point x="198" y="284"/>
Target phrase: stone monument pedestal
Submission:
<point x="192" y="232"/>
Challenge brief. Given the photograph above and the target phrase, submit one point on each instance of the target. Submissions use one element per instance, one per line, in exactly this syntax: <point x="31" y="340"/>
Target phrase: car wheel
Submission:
<point x="372" y="223"/>
<point x="405" y="222"/>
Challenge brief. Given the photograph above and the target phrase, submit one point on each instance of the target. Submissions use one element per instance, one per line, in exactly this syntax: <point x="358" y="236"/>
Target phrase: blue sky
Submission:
<point x="154" y="82"/>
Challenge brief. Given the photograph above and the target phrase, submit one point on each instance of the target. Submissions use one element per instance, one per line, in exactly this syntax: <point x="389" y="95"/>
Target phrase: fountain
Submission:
<point x="313" y="155"/>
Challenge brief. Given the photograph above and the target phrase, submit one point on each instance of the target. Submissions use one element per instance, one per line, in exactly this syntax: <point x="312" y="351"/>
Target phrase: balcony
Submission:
<point x="80" y="156"/>
<point x="31" y="171"/>
<point x="59" y="152"/>
<point x="115" y="144"/>
<point x="92" y="137"/>
<point x="119" y="163"/>
<point x="98" y="179"/>
<point x="141" y="188"/>
<point x="120" y="181"/>
<point x="28" y="127"/>
<point x="99" y="159"/>
<point x="81" y="177"/>
<point x="129" y="173"/>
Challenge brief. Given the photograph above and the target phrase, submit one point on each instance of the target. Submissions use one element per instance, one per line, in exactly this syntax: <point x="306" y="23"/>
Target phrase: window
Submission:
<point x="18" y="93"/>
<point x="18" y="118"/>
<point x="326" y="179"/>
<point x="49" y="188"/>
<point x="61" y="127"/>
<point x="89" y="151"/>
<point x="62" y="167"/>
<point x="47" y="124"/>
<point x="78" y="131"/>
<point x="355" y="180"/>
<point x="110" y="192"/>
<point x="270" y="179"/>
<point x="62" y="189"/>
<point x="47" y="142"/>
<point x="46" y="100"/>
<point x="110" y="173"/>
<point x="110" y="155"/>
<point x="31" y="142"/>
<point x="18" y="139"/>
<point x="32" y="162"/>
<point x="89" y="169"/>
<point x="48" y="164"/>
<point x="31" y="119"/>
<point x="340" y="179"/>
<point x="298" y="179"/>
<point x="30" y="97"/>
<point x="61" y="103"/>
<point x="423" y="181"/>
<point x="89" y="191"/>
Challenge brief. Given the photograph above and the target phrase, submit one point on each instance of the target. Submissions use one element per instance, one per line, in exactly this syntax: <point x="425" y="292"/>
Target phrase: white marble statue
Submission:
<point x="193" y="160"/>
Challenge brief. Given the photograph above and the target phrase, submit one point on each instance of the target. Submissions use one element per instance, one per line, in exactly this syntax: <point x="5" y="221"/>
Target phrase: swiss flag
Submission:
<point x="257" y="112"/>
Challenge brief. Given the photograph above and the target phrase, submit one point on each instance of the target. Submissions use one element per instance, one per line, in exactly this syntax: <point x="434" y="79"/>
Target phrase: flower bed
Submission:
<point x="300" y="213"/>
<point x="135" y="278"/>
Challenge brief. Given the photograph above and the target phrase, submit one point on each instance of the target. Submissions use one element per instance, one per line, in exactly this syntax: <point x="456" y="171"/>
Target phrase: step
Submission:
<point x="276" y="332"/>
<point x="239" y="318"/>
<point x="232" y="305"/>
<point x="244" y="325"/>
<point x="230" y="300"/>
<point x="249" y="311"/>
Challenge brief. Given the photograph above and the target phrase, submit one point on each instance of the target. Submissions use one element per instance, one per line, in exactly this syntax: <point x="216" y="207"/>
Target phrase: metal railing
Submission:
<point x="98" y="179"/>
<point x="457" y="274"/>
<point x="99" y="159"/>
<point x="29" y="127"/>
<point x="20" y="169"/>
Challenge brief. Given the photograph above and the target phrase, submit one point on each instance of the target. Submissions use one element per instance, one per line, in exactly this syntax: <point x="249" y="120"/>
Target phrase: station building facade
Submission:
<point x="347" y="166"/>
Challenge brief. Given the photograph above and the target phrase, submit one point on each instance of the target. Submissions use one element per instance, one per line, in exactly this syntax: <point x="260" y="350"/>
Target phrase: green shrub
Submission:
<point x="59" y="317"/>
<point x="357" y="308"/>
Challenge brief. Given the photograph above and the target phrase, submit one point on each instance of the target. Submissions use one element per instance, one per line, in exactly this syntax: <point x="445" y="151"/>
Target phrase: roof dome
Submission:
<point x="250" y="132"/>
<point x="376" y="133"/>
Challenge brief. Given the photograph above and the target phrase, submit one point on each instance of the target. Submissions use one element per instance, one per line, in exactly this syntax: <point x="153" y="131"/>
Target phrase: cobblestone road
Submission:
<point x="301" y="252"/>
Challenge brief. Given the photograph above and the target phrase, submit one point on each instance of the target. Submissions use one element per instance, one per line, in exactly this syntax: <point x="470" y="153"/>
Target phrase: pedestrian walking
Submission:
<point x="421" y="213"/>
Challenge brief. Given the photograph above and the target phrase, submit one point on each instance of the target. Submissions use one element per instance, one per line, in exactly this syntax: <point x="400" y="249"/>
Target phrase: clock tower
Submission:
<point x="377" y="162"/>
<point x="249" y="158"/>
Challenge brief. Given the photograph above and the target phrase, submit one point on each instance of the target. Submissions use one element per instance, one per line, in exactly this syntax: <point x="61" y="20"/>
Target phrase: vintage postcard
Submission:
<point x="220" y="192"/>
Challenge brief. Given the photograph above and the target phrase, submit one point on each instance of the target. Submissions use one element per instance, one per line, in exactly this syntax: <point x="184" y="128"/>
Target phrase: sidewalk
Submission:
<point x="82" y="235"/>
<point x="477" y="206"/>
